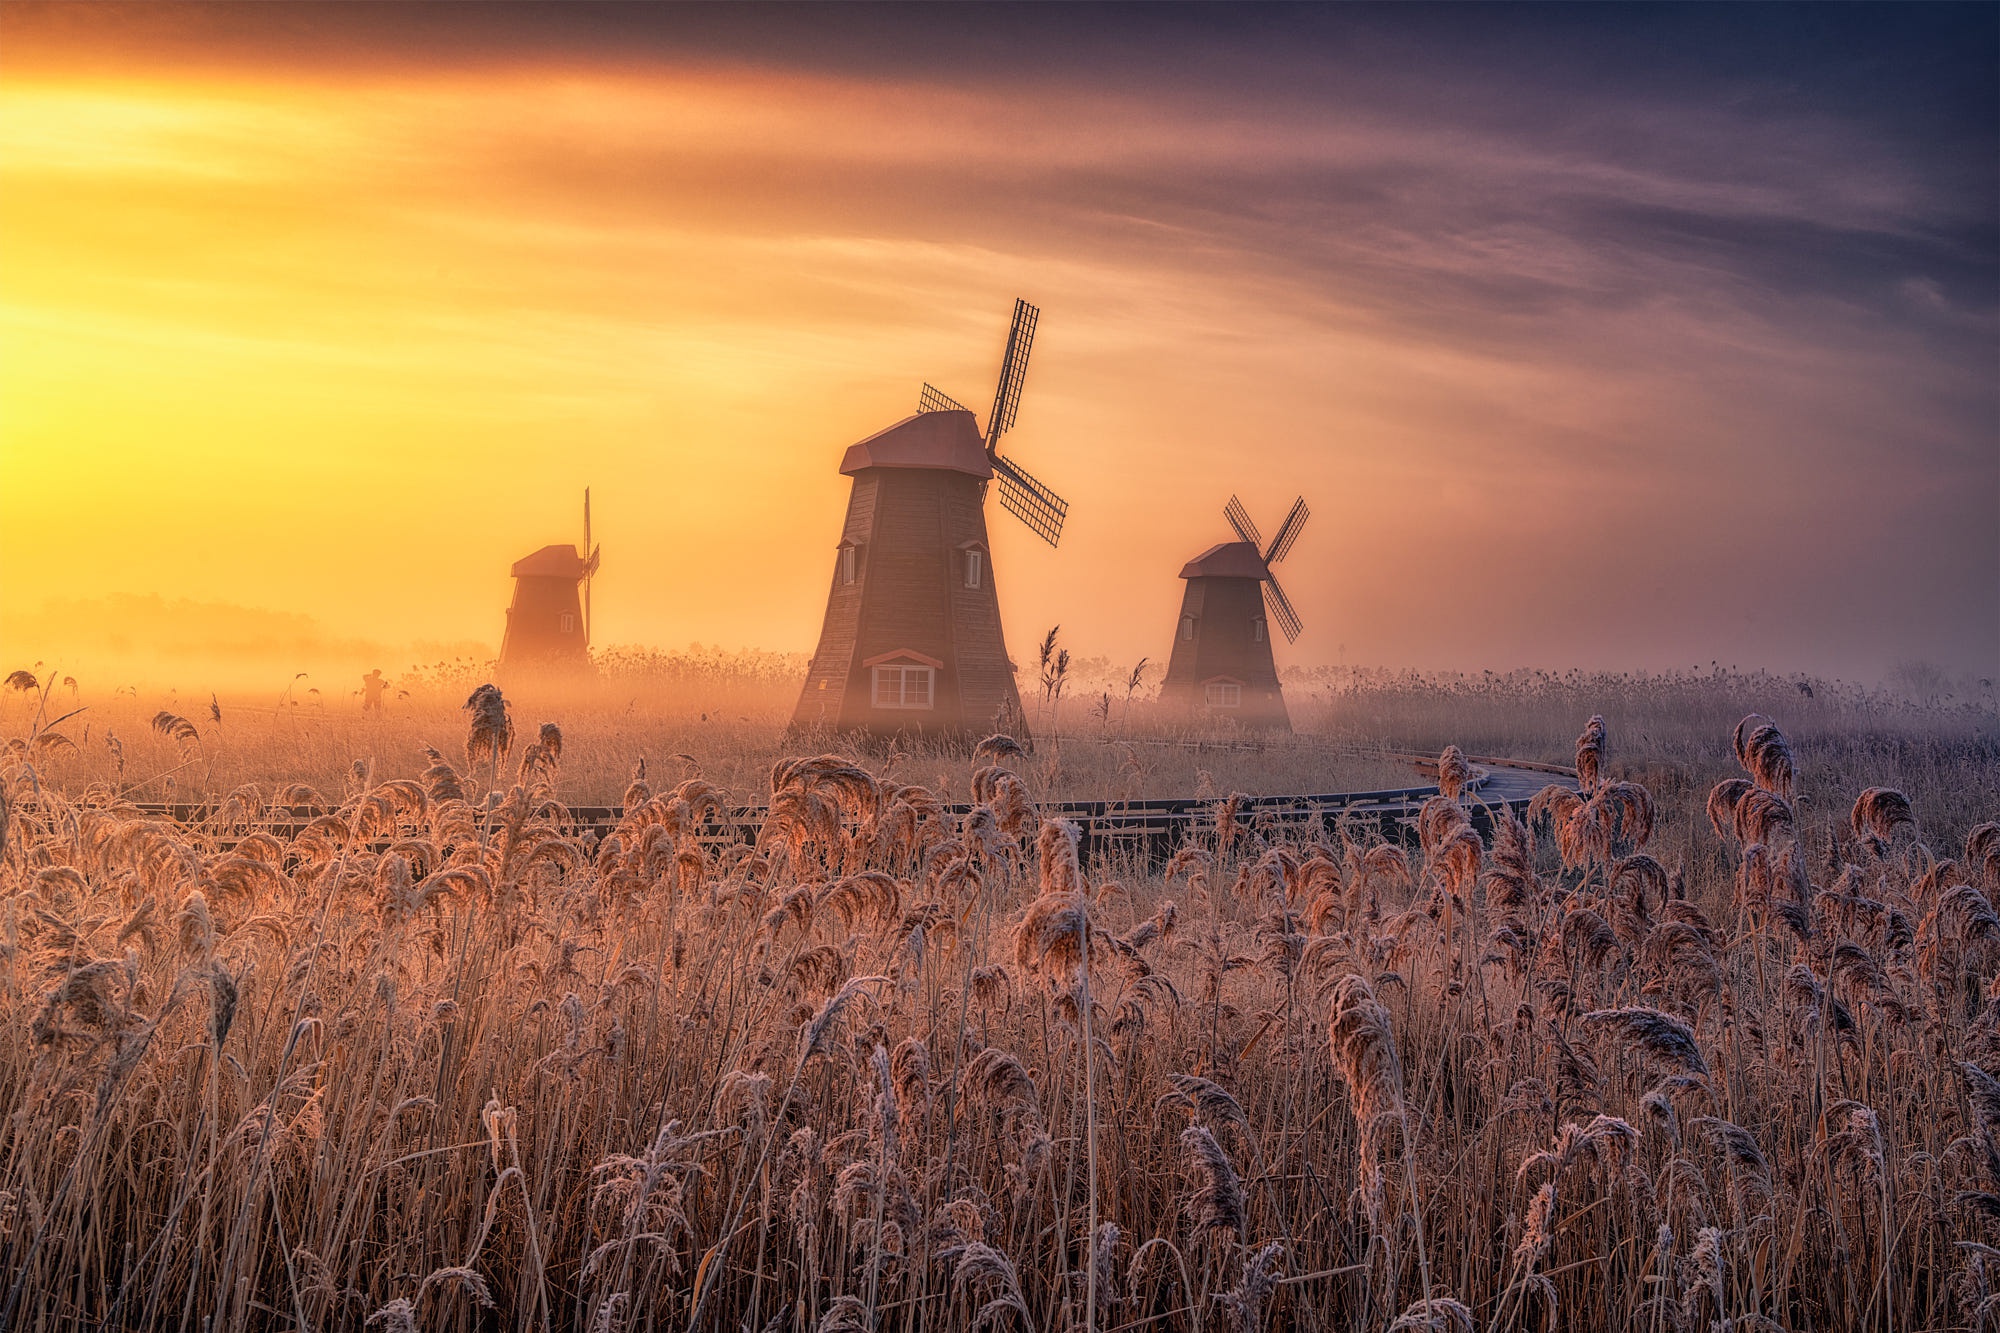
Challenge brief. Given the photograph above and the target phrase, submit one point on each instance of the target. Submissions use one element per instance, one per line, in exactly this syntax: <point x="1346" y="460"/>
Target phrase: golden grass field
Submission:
<point x="1711" y="1045"/>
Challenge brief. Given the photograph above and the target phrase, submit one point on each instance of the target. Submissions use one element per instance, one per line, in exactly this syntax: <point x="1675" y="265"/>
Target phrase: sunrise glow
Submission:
<point x="343" y="333"/>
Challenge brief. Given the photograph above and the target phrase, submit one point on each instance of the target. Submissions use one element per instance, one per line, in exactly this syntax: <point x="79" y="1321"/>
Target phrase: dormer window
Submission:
<point x="904" y="686"/>
<point x="1223" y="693"/>
<point x="972" y="564"/>
<point x="849" y="562"/>
<point x="903" y="680"/>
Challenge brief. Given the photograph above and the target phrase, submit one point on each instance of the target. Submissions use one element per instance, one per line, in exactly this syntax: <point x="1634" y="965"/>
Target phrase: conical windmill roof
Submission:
<point x="947" y="441"/>
<point x="551" y="562"/>
<point x="1227" y="560"/>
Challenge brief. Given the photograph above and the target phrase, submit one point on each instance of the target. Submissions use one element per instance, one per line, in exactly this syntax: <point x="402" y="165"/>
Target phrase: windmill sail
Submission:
<point x="1239" y="519"/>
<point x="1030" y="501"/>
<point x="1282" y="610"/>
<point x="1288" y="532"/>
<point x="1020" y="494"/>
<point x="589" y="567"/>
<point x="1013" y="373"/>
<point x="934" y="399"/>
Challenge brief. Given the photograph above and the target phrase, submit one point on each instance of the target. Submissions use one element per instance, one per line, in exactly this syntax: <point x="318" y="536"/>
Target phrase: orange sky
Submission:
<point x="344" y="337"/>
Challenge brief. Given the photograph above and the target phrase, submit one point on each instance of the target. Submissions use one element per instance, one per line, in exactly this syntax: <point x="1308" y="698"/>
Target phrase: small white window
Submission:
<point x="568" y="623"/>
<point x="1257" y="630"/>
<point x="903" y="686"/>
<point x="1187" y="629"/>
<point x="1223" y="694"/>
<point x="975" y="560"/>
<point x="847" y="563"/>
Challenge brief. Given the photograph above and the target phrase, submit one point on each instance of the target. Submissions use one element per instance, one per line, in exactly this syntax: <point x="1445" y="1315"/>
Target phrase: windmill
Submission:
<point x="548" y="624"/>
<point x="1222" y="665"/>
<point x="911" y="642"/>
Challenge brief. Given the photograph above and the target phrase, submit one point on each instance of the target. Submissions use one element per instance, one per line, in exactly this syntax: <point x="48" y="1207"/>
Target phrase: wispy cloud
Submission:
<point x="1642" y="362"/>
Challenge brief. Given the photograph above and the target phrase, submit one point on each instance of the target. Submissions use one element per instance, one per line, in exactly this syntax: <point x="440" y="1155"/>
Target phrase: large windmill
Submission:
<point x="548" y="624"/>
<point x="1221" y="665"/>
<point x="912" y="640"/>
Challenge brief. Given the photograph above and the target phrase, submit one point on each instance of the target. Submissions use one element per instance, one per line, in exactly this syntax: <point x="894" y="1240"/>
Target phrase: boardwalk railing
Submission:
<point x="1149" y="826"/>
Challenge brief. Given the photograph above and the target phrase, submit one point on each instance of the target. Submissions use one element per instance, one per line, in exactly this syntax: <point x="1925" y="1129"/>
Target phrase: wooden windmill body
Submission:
<point x="1222" y="669"/>
<point x="912" y="643"/>
<point x="548" y="622"/>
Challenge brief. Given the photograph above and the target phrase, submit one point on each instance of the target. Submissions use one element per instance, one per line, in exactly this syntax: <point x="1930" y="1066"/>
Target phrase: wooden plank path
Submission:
<point x="1150" y="828"/>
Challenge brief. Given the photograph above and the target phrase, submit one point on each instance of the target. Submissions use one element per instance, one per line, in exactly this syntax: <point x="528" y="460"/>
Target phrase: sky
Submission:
<point x="1605" y="337"/>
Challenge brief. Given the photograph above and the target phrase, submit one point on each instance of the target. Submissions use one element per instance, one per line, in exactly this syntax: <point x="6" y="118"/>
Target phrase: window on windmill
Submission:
<point x="1223" y="694"/>
<point x="975" y="560"/>
<point x="848" y="562"/>
<point x="1187" y="629"/>
<point x="903" y="686"/>
<point x="568" y="623"/>
<point x="1257" y="630"/>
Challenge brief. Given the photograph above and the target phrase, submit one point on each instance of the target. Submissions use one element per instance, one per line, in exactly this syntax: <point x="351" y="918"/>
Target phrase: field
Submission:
<point x="1711" y="1045"/>
<point x="724" y="720"/>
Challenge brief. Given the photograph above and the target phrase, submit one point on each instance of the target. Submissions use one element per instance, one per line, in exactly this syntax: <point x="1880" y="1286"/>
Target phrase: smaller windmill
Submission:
<point x="1222" y="665"/>
<point x="548" y="624"/>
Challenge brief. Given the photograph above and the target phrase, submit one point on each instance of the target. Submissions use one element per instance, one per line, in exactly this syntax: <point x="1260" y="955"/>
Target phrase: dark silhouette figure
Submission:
<point x="372" y="687"/>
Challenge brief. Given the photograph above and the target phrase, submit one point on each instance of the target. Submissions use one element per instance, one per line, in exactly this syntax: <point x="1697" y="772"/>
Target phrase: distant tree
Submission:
<point x="1926" y="683"/>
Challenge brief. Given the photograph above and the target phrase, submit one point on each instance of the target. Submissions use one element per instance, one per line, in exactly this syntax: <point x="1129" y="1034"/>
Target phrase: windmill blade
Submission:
<point x="934" y="399"/>
<point x="1288" y="532"/>
<point x="1030" y="501"/>
<point x="1239" y="518"/>
<point x="1013" y="370"/>
<point x="1281" y="609"/>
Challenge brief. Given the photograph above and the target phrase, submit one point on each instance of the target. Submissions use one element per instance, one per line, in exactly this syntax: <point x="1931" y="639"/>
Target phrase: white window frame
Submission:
<point x="1187" y="629"/>
<point x="891" y="686"/>
<point x="850" y="564"/>
<point x="568" y="623"/>
<point x="1257" y="629"/>
<point x="975" y="567"/>
<point x="1222" y="694"/>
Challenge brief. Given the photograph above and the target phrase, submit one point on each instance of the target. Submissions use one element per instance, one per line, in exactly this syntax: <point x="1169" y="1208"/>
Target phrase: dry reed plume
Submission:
<point x="415" y="1054"/>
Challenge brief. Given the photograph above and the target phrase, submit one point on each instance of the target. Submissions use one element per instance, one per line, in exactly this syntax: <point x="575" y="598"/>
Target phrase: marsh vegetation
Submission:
<point x="1711" y="1042"/>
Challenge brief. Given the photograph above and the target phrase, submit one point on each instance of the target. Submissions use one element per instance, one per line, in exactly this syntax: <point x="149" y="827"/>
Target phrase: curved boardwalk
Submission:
<point x="1516" y="784"/>
<point x="1145" y="827"/>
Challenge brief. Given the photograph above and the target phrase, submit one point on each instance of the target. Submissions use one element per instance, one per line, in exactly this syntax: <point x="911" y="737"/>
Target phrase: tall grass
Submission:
<point x="1711" y="1042"/>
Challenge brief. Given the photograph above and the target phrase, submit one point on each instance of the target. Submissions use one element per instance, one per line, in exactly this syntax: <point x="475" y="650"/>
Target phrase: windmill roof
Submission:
<point x="945" y="440"/>
<point x="1227" y="560"/>
<point x="551" y="562"/>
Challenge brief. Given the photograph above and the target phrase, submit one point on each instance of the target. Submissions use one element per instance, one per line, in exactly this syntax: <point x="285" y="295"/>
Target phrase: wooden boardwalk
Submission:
<point x="1149" y="828"/>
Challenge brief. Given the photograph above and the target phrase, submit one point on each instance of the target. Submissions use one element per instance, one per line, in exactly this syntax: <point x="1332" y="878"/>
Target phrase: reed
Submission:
<point x="1714" y="1041"/>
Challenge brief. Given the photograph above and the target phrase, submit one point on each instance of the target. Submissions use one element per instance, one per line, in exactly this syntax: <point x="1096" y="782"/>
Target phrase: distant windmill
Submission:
<point x="912" y="639"/>
<point x="548" y="625"/>
<point x="1221" y="665"/>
